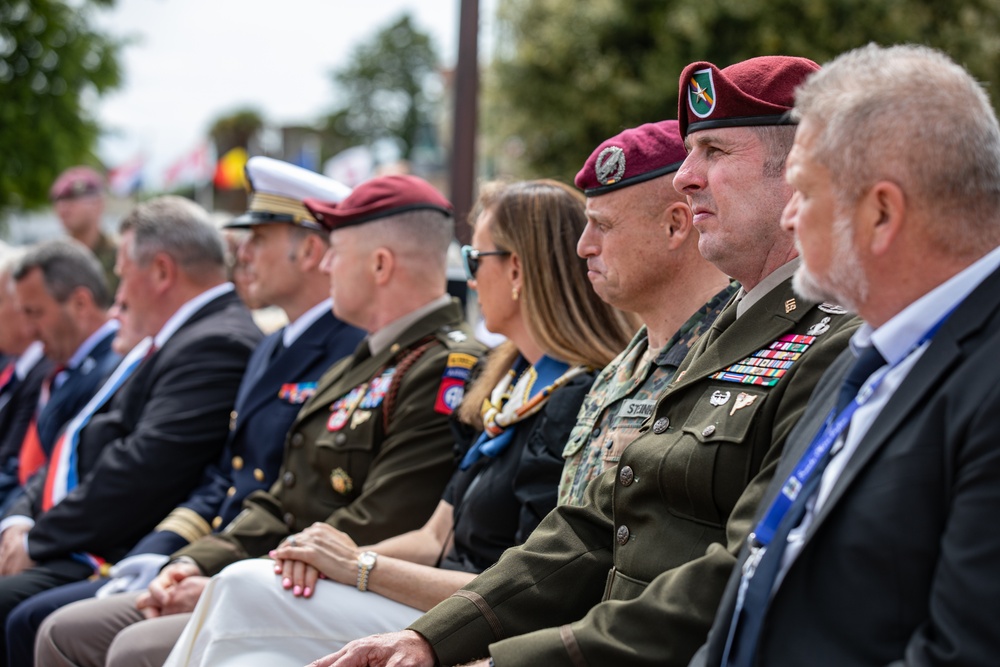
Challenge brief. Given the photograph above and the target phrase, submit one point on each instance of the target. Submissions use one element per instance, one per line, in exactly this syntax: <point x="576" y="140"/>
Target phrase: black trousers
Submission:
<point x="17" y="588"/>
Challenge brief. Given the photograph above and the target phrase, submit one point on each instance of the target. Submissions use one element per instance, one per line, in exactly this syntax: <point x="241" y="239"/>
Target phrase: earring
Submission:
<point x="515" y="293"/>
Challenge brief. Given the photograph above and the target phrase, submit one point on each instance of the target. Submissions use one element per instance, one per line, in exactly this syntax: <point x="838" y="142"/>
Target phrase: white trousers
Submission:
<point x="245" y="618"/>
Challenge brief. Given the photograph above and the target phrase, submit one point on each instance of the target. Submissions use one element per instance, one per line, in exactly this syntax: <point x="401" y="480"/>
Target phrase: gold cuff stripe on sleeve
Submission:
<point x="187" y="523"/>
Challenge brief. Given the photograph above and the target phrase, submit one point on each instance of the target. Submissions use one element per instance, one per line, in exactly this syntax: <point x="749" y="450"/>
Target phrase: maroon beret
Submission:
<point x="759" y="91"/>
<point x="76" y="182"/>
<point x="379" y="198"/>
<point x="636" y="155"/>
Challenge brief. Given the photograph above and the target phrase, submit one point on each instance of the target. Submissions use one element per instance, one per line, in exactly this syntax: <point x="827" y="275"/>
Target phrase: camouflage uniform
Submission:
<point x="622" y="397"/>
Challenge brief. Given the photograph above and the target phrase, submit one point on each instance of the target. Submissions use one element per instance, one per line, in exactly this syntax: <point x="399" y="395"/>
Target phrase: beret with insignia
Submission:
<point x="76" y="182"/>
<point x="379" y="198"/>
<point x="636" y="155"/>
<point x="759" y="91"/>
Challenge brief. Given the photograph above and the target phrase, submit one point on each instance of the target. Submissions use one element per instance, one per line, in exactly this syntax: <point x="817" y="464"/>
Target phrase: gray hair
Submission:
<point x="65" y="265"/>
<point x="181" y="229"/>
<point x="910" y="115"/>
<point x="423" y="234"/>
<point x="778" y="141"/>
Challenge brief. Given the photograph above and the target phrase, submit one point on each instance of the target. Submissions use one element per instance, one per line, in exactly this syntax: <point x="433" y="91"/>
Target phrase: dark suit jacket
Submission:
<point x="902" y="563"/>
<point x="76" y="390"/>
<point x="259" y="424"/>
<point x="19" y="408"/>
<point x="146" y="450"/>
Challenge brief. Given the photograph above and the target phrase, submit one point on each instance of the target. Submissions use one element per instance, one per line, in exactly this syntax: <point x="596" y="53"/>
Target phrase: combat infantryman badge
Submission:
<point x="701" y="93"/>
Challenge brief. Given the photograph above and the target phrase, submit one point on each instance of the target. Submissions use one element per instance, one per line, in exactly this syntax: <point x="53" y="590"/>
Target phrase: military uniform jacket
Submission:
<point x="623" y="396"/>
<point x="277" y="383"/>
<point x="369" y="453"/>
<point x="634" y="575"/>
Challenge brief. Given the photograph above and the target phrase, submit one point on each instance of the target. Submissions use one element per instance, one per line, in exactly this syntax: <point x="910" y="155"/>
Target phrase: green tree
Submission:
<point x="53" y="65"/>
<point x="235" y="129"/>
<point x="570" y="73"/>
<point x="388" y="88"/>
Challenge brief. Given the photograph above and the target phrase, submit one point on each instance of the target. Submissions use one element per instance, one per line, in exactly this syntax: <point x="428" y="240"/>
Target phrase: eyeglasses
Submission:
<point x="470" y="259"/>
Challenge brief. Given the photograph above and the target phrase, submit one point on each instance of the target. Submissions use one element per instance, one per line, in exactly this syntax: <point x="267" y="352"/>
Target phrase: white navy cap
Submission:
<point x="276" y="192"/>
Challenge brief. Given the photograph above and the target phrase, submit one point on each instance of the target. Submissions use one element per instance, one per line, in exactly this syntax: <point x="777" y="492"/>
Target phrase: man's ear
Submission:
<point x="383" y="265"/>
<point x="677" y="224"/>
<point x="882" y="215"/>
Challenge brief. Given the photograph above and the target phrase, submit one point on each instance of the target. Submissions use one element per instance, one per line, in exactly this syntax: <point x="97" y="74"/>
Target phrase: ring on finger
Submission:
<point x="291" y="540"/>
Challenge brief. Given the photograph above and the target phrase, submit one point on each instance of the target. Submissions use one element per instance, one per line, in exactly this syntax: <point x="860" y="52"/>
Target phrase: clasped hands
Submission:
<point x="318" y="552"/>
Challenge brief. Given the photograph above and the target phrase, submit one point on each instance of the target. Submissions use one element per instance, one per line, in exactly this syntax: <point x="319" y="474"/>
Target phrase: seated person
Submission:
<point x="525" y="403"/>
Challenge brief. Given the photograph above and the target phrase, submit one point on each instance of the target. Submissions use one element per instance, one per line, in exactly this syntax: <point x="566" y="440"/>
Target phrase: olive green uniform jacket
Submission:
<point x="369" y="453"/>
<point x="634" y="576"/>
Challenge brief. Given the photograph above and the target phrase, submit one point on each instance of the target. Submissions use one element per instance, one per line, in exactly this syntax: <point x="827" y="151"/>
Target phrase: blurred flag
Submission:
<point x="125" y="179"/>
<point x="351" y="167"/>
<point x="193" y="168"/>
<point x="229" y="171"/>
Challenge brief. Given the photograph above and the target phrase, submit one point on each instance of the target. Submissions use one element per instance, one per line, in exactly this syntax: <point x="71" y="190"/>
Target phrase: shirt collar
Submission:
<point x="184" y="313"/>
<point x="770" y="281"/>
<point x="306" y="320"/>
<point x="31" y="356"/>
<point x="82" y="352"/>
<point x="896" y="338"/>
<point x="381" y="339"/>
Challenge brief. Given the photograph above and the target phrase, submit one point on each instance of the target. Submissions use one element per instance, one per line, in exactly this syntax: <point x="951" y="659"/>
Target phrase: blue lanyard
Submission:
<point x="807" y="466"/>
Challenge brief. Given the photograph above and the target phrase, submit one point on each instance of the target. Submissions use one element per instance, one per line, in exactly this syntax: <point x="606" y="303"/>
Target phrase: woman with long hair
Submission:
<point x="322" y="590"/>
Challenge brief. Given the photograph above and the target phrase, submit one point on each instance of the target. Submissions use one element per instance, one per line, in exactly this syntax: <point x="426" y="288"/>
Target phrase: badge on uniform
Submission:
<point x="343" y="407"/>
<point x="452" y="388"/>
<point x="377" y="390"/>
<point x="296" y="393"/>
<point x="820" y="327"/>
<point x="767" y="366"/>
<point x="341" y="481"/>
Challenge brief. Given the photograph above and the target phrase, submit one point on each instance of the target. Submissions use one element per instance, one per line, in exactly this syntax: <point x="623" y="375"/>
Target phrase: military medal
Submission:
<point x="343" y="407"/>
<point x="341" y="481"/>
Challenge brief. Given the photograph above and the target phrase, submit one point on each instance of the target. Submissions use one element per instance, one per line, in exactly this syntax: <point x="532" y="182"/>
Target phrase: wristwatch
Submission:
<point x="366" y="563"/>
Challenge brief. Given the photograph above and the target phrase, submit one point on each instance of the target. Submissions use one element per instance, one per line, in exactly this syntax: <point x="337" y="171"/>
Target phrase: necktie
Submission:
<point x="33" y="454"/>
<point x="748" y="618"/>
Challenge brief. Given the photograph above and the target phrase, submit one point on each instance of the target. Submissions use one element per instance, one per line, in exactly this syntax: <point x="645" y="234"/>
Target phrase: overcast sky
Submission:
<point x="194" y="60"/>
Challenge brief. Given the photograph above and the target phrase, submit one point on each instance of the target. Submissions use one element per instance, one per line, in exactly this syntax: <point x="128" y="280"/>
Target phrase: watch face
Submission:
<point x="368" y="559"/>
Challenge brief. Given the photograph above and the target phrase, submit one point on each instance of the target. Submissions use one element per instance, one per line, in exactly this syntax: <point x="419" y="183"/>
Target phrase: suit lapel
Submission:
<point x="927" y="374"/>
<point x="289" y="365"/>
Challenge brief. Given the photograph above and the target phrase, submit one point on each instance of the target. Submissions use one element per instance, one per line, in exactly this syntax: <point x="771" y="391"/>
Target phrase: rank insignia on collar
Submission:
<point x="790" y="305"/>
<point x="832" y="308"/>
<point x="720" y="398"/>
<point x="341" y="481"/>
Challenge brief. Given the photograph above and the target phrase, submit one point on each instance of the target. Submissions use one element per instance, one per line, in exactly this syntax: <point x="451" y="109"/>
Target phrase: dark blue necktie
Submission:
<point x="749" y="620"/>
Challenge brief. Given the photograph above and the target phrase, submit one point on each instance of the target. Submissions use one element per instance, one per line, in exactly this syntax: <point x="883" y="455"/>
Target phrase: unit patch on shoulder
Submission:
<point x="452" y="388"/>
<point x="767" y="366"/>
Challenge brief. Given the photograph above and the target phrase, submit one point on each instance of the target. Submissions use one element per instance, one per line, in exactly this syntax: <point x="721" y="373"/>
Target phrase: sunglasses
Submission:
<point x="470" y="259"/>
